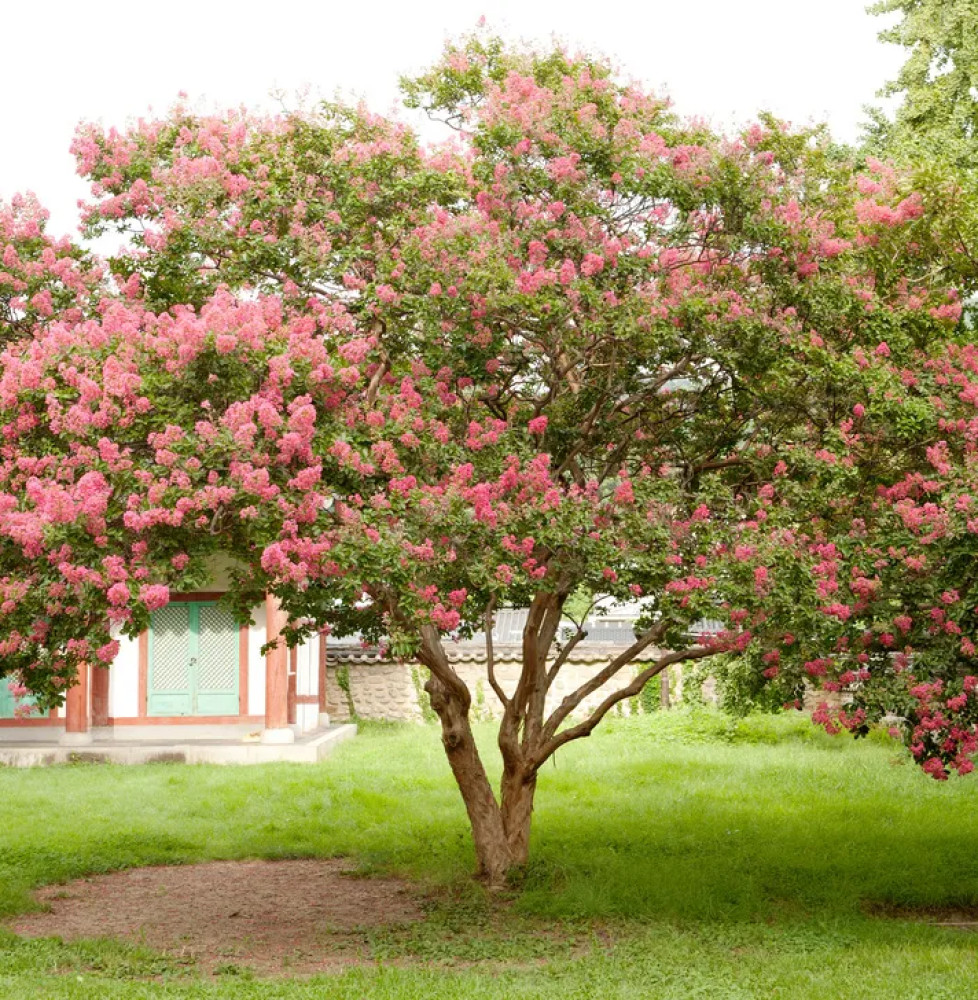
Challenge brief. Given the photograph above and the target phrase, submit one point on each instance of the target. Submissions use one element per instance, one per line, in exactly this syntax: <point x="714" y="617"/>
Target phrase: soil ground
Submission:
<point x="271" y="916"/>
<point x="963" y="917"/>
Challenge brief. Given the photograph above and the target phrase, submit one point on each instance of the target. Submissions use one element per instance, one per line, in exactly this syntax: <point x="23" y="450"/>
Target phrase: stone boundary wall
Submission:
<point x="359" y="682"/>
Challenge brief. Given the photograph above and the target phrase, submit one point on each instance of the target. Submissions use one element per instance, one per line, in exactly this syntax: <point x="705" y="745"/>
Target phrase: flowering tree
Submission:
<point x="42" y="280"/>
<point x="581" y="346"/>
<point x="894" y="573"/>
<point x="883" y="616"/>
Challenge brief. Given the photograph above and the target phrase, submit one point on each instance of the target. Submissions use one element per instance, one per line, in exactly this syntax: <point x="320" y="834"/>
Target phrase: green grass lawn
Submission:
<point x="673" y="857"/>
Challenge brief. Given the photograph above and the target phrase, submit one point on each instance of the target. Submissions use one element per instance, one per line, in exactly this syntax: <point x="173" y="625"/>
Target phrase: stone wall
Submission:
<point x="372" y="690"/>
<point x="358" y="681"/>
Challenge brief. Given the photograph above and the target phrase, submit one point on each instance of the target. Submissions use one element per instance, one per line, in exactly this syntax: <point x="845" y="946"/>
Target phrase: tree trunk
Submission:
<point x="518" y="790"/>
<point x="500" y="828"/>
<point x="494" y="856"/>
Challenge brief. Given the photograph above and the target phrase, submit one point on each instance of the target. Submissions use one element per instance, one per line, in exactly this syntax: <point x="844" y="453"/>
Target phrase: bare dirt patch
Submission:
<point x="297" y="917"/>
<point x="962" y="917"/>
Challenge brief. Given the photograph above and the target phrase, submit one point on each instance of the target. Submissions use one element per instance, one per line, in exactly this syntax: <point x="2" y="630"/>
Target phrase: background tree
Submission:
<point x="933" y="128"/>
<point x="581" y="346"/>
<point x="937" y="116"/>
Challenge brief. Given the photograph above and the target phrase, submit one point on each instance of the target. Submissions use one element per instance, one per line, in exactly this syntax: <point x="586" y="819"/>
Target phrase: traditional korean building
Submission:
<point x="195" y="673"/>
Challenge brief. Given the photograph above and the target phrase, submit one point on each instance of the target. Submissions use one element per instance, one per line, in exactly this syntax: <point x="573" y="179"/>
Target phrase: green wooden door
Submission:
<point x="216" y="662"/>
<point x="193" y="660"/>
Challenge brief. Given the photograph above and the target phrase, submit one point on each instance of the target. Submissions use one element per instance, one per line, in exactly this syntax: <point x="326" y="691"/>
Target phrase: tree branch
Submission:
<point x="585" y="728"/>
<point x="378" y="376"/>
<point x="490" y="655"/>
<point x="564" y="655"/>
<point x="599" y="679"/>
<point x="432" y="655"/>
<point x="541" y="626"/>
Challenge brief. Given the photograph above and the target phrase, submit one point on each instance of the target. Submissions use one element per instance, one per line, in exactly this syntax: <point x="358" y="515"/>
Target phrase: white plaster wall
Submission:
<point x="307" y="664"/>
<point x="219" y="572"/>
<point x="307" y="682"/>
<point x="256" y="662"/>
<point x="124" y="680"/>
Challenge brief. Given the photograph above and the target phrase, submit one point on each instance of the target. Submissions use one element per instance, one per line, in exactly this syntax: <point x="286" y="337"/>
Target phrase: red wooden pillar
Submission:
<point x="277" y="728"/>
<point x="77" y="729"/>
<point x="100" y="696"/>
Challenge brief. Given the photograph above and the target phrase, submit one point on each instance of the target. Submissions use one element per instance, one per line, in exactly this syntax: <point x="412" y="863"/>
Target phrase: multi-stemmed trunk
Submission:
<point x="500" y="827"/>
<point x="527" y="735"/>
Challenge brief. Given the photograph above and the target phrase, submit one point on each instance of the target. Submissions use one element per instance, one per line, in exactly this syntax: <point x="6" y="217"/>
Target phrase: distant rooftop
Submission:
<point x="615" y="627"/>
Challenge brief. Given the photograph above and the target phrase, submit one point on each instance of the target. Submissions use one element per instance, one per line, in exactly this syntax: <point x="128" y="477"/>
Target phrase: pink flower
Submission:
<point x="154" y="595"/>
<point x="108" y="652"/>
<point x="447" y="620"/>
<point x="274" y="558"/>
<point x="537" y="425"/>
<point x="859" y="410"/>
<point x="624" y="493"/>
<point x="118" y="594"/>
<point x="354" y="351"/>
<point x="592" y="264"/>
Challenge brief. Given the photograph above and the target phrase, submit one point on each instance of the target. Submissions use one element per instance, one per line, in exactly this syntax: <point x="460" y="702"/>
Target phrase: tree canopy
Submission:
<point x="582" y="345"/>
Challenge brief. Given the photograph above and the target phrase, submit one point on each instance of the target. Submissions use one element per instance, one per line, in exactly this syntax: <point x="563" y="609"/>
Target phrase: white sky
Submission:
<point x="109" y="60"/>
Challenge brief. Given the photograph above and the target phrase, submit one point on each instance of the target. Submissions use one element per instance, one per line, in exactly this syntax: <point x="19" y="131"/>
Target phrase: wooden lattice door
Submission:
<point x="193" y="660"/>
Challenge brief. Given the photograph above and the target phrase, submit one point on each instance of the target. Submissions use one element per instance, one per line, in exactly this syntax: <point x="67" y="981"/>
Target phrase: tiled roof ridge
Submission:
<point x="470" y="652"/>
